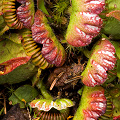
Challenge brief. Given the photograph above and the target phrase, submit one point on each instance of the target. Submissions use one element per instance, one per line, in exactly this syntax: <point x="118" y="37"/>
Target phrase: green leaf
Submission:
<point x="115" y="93"/>
<point x="118" y="68"/>
<point x="43" y="90"/>
<point x="80" y="91"/>
<point x="1" y="7"/>
<point x="112" y="27"/>
<point x="12" y="55"/>
<point x="15" y="100"/>
<point x="9" y="50"/>
<point x="115" y="14"/>
<point x="15" y="37"/>
<point x="112" y="5"/>
<point x="41" y="6"/>
<point x="117" y="47"/>
<point x="2" y="24"/>
<point x="26" y="92"/>
<point x="19" y="74"/>
<point x="23" y="95"/>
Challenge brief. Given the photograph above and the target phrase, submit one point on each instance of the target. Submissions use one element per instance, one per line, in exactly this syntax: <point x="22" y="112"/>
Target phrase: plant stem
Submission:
<point x="41" y="6"/>
<point x="36" y="77"/>
<point x="86" y="52"/>
<point x="4" y="30"/>
<point x="44" y="92"/>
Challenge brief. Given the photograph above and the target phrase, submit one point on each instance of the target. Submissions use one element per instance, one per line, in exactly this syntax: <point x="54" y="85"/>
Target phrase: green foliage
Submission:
<point x="9" y="50"/>
<point x="23" y="95"/>
<point x="59" y="9"/>
<point x="117" y="47"/>
<point x="61" y="6"/>
<point x="112" y="5"/>
<point x="11" y="47"/>
<point x="10" y="90"/>
<point x="15" y="100"/>
<point x="19" y="74"/>
<point x="111" y="27"/>
<point x="1" y="22"/>
<point x="115" y="93"/>
<point x="41" y="6"/>
<point x="43" y="90"/>
<point x="15" y="37"/>
<point x="2" y="111"/>
<point x="80" y="91"/>
<point x="118" y="68"/>
<point x="3" y="26"/>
